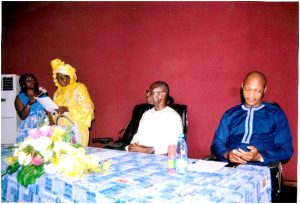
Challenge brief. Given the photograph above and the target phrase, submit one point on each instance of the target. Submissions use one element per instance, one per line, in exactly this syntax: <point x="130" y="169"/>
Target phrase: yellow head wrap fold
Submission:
<point x="59" y="66"/>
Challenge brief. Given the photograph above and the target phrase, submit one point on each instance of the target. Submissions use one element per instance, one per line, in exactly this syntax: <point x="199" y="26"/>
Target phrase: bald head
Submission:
<point x="256" y="75"/>
<point x="157" y="94"/>
<point x="254" y="88"/>
<point x="163" y="85"/>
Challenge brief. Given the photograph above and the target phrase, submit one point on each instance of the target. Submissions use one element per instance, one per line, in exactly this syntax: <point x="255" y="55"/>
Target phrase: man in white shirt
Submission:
<point x="159" y="126"/>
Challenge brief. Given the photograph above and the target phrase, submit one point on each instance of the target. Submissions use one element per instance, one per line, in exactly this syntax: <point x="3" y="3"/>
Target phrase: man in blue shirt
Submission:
<point x="254" y="132"/>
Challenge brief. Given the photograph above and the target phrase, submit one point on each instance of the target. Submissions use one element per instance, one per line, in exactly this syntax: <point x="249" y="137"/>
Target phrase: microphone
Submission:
<point x="42" y="92"/>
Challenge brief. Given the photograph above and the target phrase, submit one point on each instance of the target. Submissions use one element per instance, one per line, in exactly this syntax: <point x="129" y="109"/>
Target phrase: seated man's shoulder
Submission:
<point x="173" y="114"/>
<point x="145" y="112"/>
<point x="272" y="105"/>
<point x="273" y="108"/>
<point x="171" y="110"/>
<point x="234" y="109"/>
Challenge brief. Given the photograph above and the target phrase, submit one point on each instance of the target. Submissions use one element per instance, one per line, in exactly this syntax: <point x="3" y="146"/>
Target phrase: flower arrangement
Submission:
<point x="49" y="149"/>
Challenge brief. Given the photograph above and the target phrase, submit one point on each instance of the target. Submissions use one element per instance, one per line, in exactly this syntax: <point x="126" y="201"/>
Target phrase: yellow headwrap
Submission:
<point x="59" y="66"/>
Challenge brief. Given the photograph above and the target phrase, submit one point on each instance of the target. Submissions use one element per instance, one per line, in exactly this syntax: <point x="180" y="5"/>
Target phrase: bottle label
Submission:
<point x="171" y="165"/>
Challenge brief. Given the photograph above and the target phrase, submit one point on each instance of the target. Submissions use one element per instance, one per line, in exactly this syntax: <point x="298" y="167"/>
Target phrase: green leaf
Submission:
<point x="28" y="174"/>
<point x="68" y="135"/>
<point x="12" y="147"/>
<point x="13" y="167"/>
<point x="77" y="145"/>
<point x="28" y="149"/>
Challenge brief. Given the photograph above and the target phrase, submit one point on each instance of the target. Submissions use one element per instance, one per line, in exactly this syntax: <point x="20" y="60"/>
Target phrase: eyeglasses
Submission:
<point x="255" y="91"/>
<point x="152" y="92"/>
<point x="29" y="80"/>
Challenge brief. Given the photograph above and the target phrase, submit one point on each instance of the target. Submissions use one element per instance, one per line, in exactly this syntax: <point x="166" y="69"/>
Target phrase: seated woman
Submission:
<point x="30" y="111"/>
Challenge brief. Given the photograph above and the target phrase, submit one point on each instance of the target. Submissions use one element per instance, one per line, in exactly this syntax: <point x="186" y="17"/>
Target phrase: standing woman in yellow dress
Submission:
<point x="72" y="98"/>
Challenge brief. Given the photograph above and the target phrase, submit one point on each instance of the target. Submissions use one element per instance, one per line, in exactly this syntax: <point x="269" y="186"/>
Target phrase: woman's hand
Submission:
<point x="31" y="94"/>
<point x="51" y="120"/>
<point x="62" y="109"/>
<point x="31" y="100"/>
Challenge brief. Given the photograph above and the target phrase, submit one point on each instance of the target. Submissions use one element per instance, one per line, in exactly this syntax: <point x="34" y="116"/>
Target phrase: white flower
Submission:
<point x="61" y="147"/>
<point x="24" y="144"/>
<point x="57" y="156"/>
<point x="24" y="159"/>
<point x="41" y="143"/>
<point x="46" y="154"/>
<point x="16" y="152"/>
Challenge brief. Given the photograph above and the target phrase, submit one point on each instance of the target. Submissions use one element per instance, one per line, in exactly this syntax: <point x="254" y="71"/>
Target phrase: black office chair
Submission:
<point x="126" y="134"/>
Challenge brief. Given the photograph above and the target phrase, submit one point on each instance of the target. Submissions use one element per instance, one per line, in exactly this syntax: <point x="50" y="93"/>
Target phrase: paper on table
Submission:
<point x="206" y="166"/>
<point x="47" y="103"/>
<point x="103" y="154"/>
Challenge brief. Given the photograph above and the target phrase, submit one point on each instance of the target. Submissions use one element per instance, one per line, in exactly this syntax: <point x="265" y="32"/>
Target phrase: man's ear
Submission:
<point x="242" y="85"/>
<point x="265" y="89"/>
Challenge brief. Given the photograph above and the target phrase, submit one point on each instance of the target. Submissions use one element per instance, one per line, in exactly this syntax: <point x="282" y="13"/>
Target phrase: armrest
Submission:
<point x="103" y="140"/>
<point x="117" y="145"/>
<point x="210" y="157"/>
<point x="273" y="165"/>
<point x="108" y="140"/>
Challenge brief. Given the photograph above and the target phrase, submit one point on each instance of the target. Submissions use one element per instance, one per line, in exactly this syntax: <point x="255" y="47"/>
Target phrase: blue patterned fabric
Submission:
<point x="143" y="178"/>
<point x="36" y="118"/>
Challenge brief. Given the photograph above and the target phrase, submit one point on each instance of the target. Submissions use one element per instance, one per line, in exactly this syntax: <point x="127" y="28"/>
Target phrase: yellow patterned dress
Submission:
<point x="76" y="97"/>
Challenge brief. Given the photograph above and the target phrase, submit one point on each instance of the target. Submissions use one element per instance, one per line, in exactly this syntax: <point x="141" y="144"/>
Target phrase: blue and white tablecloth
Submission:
<point x="140" y="178"/>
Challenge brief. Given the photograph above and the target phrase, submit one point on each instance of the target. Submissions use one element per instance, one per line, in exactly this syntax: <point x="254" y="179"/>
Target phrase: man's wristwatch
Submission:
<point x="261" y="159"/>
<point x="153" y="151"/>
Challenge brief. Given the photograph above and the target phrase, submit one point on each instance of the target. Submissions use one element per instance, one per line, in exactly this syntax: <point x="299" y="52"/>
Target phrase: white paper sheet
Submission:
<point x="206" y="166"/>
<point x="102" y="154"/>
<point x="47" y="103"/>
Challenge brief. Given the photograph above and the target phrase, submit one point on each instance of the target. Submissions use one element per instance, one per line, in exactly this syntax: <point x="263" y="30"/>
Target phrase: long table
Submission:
<point x="141" y="178"/>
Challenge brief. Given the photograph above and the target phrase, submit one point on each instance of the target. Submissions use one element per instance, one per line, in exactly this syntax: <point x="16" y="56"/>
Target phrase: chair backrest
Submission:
<point x="138" y="112"/>
<point x="182" y="111"/>
<point x="133" y="125"/>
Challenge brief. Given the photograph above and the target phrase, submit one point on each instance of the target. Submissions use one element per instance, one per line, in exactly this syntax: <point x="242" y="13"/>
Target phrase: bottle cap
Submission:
<point x="181" y="135"/>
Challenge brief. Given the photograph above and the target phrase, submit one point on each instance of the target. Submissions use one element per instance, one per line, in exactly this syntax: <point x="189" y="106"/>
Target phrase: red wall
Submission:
<point x="202" y="49"/>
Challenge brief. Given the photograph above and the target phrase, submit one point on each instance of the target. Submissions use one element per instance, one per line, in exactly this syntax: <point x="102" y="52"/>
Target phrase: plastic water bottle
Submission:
<point x="181" y="155"/>
<point x="171" y="163"/>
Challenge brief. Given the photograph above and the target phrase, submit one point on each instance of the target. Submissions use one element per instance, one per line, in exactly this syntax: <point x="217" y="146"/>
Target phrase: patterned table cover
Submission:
<point x="143" y="178"/>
